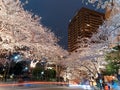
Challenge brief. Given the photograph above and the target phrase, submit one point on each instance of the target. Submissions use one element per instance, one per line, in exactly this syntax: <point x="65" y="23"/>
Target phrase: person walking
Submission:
<point x="106" y="87"/>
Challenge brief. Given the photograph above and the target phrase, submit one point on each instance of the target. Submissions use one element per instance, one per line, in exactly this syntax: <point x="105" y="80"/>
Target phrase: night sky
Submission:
<point x="56" y="15"/>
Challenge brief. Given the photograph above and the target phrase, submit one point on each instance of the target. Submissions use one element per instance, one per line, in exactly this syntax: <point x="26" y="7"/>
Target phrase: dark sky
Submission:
<point x="56" y="15"/>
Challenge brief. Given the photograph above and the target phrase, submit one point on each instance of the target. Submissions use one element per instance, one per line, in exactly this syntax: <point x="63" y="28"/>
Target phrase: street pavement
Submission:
<point x="46" y="86"/>
<point x="39" y="88"/>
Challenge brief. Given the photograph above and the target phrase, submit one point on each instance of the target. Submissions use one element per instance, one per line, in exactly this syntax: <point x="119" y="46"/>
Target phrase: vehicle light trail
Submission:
<point x="33" y="83"/>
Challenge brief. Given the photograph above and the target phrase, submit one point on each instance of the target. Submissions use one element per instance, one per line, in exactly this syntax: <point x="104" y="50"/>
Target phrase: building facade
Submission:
<point x="83" y="24"/>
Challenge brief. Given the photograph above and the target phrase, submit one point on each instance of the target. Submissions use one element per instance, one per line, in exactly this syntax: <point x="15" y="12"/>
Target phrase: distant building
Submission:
<point x="83" y="24"/>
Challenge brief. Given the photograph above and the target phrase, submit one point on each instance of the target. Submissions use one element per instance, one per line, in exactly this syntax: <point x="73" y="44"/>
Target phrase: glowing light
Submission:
<point x="16" y="57"/>
<point x="33" y="64"/>
<point x="88" y="25"/>
<point x="42" y="73"/>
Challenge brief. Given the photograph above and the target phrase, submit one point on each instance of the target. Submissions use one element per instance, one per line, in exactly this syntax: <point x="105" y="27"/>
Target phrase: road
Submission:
<point x="38" y="88"/>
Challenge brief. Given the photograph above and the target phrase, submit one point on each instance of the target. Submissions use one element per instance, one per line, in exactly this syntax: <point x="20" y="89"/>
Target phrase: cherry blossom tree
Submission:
<point x="101" y="42"/>
<point x="20" y="31"/>
<point x="109" y="32"/>
<point x="87" y="62"/>
<point x="106" y="37"/>
<point x="90" y="57"/>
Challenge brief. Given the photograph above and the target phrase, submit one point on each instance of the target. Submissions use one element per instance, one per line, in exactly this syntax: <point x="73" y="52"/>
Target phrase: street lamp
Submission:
<point x="33" y="63"/>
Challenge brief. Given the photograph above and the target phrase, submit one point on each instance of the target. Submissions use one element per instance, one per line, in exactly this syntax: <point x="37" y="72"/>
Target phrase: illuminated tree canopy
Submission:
<point x="101" y="42"/>
<point x="23" y="32"/>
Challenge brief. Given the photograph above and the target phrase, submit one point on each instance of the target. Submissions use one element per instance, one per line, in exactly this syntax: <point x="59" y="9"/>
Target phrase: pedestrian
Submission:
<point x="106" y="87"/>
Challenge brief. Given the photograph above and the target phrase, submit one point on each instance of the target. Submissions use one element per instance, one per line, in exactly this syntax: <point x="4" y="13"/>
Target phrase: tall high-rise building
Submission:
<point x="83" y="24"/>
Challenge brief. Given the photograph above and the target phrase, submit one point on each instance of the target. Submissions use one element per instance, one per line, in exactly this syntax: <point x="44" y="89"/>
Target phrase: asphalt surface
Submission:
<point x="39" y="88"/>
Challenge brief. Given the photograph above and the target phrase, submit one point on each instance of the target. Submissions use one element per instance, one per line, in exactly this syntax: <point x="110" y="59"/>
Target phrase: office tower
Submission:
<point x="83" y="24"/>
